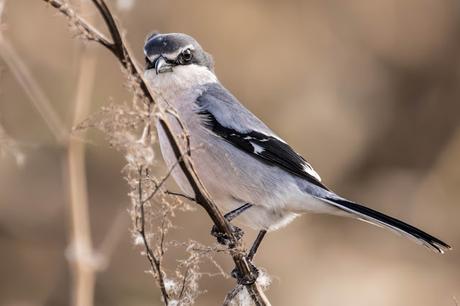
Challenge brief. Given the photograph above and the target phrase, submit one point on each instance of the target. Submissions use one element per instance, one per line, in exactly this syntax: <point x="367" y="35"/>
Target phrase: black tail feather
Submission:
<point x="398" y="226"/>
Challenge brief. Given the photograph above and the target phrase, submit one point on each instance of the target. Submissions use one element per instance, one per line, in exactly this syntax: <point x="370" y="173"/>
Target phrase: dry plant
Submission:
<point x="83" y="259"/>
<point x="10" y="147"/>
<point x="129" y="130"/>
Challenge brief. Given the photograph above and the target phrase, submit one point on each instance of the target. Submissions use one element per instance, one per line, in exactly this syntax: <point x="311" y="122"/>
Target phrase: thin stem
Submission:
<point x="33" y="90"/>
<point x="117" y="45"/>
<point x="83" y="267"/>
<point x="184" y="282"/>
<point x="162" y="236"/>
<point x="232" y="294"/>
<point x="94" y="34"/>
<point x="178" y="194"/>
<point x="158" y="186"/>
<point x="155" y="263"/>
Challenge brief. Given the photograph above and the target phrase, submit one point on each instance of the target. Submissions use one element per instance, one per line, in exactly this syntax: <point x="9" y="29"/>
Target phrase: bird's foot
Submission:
<point x="223" y="238"/>
<point x="246" y="280"/>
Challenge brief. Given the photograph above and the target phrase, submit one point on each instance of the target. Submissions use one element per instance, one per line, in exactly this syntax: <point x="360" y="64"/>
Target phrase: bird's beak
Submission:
<point x="161" y="65"/>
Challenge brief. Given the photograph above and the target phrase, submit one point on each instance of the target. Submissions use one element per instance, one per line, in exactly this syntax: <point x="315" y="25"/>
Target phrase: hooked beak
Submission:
<point x="161" y="65"/>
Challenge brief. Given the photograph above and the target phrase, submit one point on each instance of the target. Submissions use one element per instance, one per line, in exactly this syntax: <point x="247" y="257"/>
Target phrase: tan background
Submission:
<point x="368" y="91"/>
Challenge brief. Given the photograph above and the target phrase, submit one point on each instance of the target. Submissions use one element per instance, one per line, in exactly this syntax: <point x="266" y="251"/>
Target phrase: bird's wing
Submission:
<point x="229" y="119"/>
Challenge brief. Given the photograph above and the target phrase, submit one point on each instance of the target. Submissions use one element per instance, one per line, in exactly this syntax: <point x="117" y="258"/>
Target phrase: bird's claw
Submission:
<point x="223" y="238"/>
<point x="246" y="280"/>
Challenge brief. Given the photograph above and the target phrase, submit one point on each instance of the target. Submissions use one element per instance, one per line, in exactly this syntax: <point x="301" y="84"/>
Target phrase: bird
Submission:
<point x="249" y="171"/>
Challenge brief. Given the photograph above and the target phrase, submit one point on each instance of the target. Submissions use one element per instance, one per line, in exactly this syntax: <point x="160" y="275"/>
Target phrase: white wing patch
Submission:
<point x="257" y="149"/>
<point x="309" y="169"/>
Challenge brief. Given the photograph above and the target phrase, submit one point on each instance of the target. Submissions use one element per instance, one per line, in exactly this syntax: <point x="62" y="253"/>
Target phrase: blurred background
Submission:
<point x="367" y="91"/>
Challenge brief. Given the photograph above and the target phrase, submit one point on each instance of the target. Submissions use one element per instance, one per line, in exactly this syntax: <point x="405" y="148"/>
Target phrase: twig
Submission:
<point x="93" y="33"/>
<point x="178" y="194"/>
<point x="155" y="262"/>
<point x="162" y="236"/>
<point x="184" y="282"/>
<point x="158" y="186"/>
<point x="120" y="50"/>
<point x="232" y="294"/>
<point x="184" y="130"/>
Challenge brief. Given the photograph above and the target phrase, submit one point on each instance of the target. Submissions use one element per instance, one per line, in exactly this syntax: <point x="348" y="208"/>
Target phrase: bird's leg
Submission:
<point x="256" y="244"/>
<point x="236" y="212"/>
<point x="254" y="271"/>
<point x="222" y="238"/>
<point x="178" y="194"/>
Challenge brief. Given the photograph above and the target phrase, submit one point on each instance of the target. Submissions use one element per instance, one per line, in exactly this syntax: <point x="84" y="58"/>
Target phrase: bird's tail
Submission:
<point x="374" y="217"/>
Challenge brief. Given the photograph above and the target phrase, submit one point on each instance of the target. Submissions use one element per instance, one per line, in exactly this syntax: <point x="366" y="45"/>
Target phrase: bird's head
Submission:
<point x="166" y="52"/>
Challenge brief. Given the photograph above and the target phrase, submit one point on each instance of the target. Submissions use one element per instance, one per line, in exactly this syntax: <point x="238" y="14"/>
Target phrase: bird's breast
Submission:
<point x="180" y="85"/>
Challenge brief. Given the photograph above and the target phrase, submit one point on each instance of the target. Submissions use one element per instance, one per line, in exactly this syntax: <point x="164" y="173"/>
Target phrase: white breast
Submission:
<point x="183" y="83"/>
<point x="178" y="90"/>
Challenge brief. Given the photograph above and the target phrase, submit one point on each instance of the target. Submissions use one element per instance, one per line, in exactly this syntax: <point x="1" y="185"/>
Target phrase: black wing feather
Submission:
<point x="272" y="151"/>
<point x="391" y="223"/>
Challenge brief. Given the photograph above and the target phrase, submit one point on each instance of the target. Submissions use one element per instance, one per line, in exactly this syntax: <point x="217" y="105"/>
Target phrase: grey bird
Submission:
<point x="250" y="172"/>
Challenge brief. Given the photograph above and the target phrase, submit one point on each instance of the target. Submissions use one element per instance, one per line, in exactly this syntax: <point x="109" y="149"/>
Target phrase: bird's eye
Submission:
<point x="186" y="56"/>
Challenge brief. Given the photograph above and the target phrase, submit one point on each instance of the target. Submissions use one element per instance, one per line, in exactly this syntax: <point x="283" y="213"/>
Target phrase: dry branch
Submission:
<point x="202" y="197"/>
<point x="155" y="261"/>
<point x="83" y="261"/>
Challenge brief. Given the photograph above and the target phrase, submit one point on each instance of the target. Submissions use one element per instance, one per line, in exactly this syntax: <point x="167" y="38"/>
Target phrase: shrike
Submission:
<point x="248" y="170"/>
